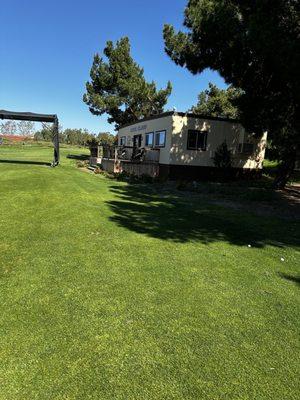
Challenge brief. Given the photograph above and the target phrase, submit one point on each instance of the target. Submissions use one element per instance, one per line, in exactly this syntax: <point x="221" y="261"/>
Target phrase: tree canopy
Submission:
<point x="8" y="127"/>
<point x="76" y="136"/>
<point x="118" y="87"/>
<point x="106" y="138"/>
<point x="255" y="46"/>
<point x="26" y="128"/>
<point x="217" y="102"/>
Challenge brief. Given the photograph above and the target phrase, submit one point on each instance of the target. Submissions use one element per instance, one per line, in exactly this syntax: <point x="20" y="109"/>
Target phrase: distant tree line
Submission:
<point x="70" y="136"/>
<point x="74" y="136"/>
<point x="21" y="128"/>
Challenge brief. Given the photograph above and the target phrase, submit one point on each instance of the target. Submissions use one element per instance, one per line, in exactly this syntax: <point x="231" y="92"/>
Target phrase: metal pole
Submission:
<point x="55" y="143"/>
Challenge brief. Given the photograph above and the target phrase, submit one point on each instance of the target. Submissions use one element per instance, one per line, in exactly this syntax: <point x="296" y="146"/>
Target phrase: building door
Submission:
<point x="137" y="140"/>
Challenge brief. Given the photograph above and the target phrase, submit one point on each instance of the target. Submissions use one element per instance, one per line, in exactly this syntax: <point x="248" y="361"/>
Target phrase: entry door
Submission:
<point x="137" y="140"/>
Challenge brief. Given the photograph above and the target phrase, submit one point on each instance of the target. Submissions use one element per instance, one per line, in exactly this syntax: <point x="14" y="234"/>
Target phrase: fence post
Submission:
<point x="116" y="161"/>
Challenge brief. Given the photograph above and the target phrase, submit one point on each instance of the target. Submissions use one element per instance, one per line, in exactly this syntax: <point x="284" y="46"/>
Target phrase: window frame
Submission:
<point x="139" y="139"/>
<point x="122" y="137"/>
<point x="246" y="151"/>
<point x="165" y="137"/>
<point x="146" y="135"/>
<point x="204" y="147"/>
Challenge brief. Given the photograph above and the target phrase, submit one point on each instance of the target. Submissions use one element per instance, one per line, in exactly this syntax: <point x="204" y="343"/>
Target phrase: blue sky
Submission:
<point x="52" y="80"/>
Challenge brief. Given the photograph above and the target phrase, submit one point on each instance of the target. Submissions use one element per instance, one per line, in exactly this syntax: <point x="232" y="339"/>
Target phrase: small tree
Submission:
<point x="223" y="156"/>
<point x="8" y="128"/>
<point x="46" y="133"/>
<point x="26" y="128"/>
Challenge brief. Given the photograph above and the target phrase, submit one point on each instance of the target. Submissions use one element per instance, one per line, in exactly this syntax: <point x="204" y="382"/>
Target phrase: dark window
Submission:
<point x="246" y="148"/>
<point x="122" y="140"/>
<point x="196" y="140"/>
<point x="137" y="140"/>
<point x="149" y="139"/>
<point x="160" y="138"/>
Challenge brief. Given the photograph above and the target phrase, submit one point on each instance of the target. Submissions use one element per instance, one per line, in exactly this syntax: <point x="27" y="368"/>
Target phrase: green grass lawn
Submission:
<point x="117" y="291"/>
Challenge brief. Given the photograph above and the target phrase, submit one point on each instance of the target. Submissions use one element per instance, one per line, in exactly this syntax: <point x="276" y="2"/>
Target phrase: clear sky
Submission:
<point x="47" y="48"/>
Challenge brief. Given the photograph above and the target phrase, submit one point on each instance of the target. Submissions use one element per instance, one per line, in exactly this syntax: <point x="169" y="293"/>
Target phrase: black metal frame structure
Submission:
<point x="27" y="116"/>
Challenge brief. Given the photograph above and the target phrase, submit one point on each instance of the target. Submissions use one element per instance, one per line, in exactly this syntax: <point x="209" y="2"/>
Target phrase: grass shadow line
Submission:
<point x="291" y="278"/>
<point x="29" y="162"/>
<point x="81" y="157"/>
<point x="172" y="216"/>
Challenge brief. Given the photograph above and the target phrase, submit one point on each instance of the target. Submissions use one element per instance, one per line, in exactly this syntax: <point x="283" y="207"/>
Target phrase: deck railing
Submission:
<point x="131" y="153"/>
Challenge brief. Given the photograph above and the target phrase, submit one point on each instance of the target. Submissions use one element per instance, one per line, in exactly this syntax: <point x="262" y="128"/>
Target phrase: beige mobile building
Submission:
<point x="187" y="144"/>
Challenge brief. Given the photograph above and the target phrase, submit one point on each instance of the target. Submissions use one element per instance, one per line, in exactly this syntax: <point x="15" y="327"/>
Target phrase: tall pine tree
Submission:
<point x="217" y="102"/>
<point x="255" y="46"/>
<point x="118" y="87"/>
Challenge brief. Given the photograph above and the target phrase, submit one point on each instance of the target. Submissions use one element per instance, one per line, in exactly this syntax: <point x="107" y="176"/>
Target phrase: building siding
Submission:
<point x="218" y="132"/>
<point x="153" y="125"/>
<point x="175" y="151"/>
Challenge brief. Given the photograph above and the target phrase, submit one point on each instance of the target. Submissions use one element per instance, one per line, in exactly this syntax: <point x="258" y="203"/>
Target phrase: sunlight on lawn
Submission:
<point x="117" y="291"/>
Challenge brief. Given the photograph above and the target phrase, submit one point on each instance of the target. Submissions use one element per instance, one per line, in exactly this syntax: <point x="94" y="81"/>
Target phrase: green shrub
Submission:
<point x="223" y="156"/>
<point x="98" y="171"/>
<point x="82" y="163"/>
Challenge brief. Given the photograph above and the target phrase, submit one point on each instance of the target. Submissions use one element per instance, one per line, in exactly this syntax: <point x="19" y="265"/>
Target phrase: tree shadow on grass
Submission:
<point x="182" y="218"/>
<point x="291" y="278"/>
<point x="26" y="162"/>
<point x="81" y="157"/>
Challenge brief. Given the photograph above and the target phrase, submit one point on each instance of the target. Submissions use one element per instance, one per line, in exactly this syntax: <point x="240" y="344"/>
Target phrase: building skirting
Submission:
<point x="140" y="168"/>
<point x="175" y="172"/>
<point x="95" y="160"/>
<point x="192" y="172"/>
<point x="130" y="167"/>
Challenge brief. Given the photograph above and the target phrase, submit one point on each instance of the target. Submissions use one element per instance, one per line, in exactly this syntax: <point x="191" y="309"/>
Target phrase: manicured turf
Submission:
<point x="112" y="291"/>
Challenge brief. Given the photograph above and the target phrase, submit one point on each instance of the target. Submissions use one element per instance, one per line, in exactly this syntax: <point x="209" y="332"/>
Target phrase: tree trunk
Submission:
<point x="285" y="171"/>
